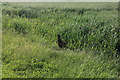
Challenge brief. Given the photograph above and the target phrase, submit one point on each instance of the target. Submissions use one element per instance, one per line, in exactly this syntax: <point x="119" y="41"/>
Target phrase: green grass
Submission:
<point x="97" y="5"/>
<point x="32" y="59"/>
<point x="90" y="30"/>
<point x="0" y="52"/>
<point x="30" y="34"/>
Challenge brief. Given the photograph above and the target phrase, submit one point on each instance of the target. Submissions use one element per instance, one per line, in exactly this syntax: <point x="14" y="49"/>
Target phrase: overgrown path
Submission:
<point x="23" y="57"/>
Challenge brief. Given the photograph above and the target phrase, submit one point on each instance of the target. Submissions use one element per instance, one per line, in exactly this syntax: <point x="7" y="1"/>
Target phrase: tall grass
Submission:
<point x="23" y="58"/>
<point x="87" y="29"/>
<point x="30" y="34"/>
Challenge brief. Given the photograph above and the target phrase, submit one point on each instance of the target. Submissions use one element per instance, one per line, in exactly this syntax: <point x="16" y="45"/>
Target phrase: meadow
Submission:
<point x="29" y="36"/>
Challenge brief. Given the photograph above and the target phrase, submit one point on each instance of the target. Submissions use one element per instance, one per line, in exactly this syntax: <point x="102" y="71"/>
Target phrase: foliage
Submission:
<point x="30" y="35"/>
<point x="85" y="30"/>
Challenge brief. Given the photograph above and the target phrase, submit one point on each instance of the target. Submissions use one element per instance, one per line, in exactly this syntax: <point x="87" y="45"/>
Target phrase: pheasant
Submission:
<point x="61" y="43"/>
<point x="117" y="46"/>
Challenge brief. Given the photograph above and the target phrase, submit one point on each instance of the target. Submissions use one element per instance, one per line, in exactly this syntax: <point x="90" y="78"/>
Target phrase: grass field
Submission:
<point x="30" y="33"/>
<point x="0" y="40"/>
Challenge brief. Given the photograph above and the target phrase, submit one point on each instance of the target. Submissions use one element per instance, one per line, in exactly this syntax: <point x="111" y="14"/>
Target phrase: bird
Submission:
<point x="117" y="46"/>
<point x="61" y="43"/>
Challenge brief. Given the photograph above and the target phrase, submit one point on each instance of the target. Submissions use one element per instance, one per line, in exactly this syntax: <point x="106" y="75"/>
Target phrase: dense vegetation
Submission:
<point x="30" y="35"/>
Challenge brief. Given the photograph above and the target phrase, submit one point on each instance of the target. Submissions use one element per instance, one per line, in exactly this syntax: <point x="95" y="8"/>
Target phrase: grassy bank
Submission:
<point x="23" y="58"/>
<point x="30" y="34"/>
